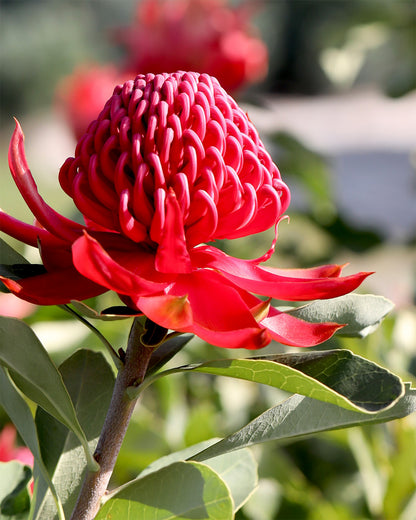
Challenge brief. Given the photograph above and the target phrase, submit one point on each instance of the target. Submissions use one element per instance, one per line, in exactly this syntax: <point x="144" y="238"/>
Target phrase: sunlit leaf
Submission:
<point x="182" y="490"/>
<point x="238" y="469"/>
<point x="166" y="351"/>
<point x="19" y="412"/>
<point x="361" y="313"/>
<point x="298" y="416"/>
<point x="334" y="376"/>
<point x="89" y="380"/>
<point x="36" y="375"/>
<point x="14" y="493"/>
<point x="8" y="256"/>
<point x="109" y="314"/>
<point x="239" y="472"/>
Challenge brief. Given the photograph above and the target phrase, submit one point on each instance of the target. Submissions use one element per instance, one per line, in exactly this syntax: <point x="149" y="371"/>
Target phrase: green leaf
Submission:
<point x="298" y="416"/>
<point x="14" y="494"/>
<point x="19" y="271"/>
<point x="166" y="351"/>
<point x="19" y="412"/>
<point x="177" y="456"/>
<point x="238" y="469"/>
<point x="115" y="357"/>
<point x="333" y="376"/>
<point x="110" y="314"/>
<point x="183" y="490"/>
<point x="8" y="256"/>
<point x="361" y="312"/>
<point x="90" y="383"/>
<point x="239" y="472"/>
<point x="36" y="375"/>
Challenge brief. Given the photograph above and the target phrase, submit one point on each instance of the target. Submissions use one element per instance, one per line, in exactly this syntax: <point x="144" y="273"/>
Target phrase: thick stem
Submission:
<point x="115" y="426"/>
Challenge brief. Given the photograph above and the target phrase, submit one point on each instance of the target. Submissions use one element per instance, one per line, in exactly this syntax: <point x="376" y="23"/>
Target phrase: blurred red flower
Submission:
<point x="82" y="95"/>
<point x="165" y="36"/>
<point x="170" y="165"/>
<point x="8" y="449"/>
<point x="201" y="35"/>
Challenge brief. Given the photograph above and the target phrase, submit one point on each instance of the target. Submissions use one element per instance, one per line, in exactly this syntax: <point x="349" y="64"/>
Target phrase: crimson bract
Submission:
<point x="170" y="165"/>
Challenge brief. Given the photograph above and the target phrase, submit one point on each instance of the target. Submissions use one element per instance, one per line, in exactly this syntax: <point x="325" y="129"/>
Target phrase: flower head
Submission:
<point x="173" y="162"/>
<point x="170" y="164"/>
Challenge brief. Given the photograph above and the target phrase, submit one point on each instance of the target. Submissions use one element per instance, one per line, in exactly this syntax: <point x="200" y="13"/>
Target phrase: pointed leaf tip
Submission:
<point x="361" y="313"/>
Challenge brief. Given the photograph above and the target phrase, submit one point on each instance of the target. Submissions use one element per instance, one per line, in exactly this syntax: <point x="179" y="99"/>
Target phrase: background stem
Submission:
<point x="115" y="425"/>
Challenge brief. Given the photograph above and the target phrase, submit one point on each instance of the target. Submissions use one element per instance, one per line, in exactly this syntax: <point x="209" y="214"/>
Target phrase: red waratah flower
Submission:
<point x="202" y="35"/>
<point x="171" y="164"/>
<point x="82" y="95"/>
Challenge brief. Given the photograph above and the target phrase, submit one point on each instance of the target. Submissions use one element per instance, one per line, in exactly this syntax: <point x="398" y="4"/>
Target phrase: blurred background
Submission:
<point x="330" y="86"/>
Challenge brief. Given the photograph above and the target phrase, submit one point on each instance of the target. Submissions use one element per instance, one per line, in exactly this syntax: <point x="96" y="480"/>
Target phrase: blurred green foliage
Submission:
<point x="374" y="40"/>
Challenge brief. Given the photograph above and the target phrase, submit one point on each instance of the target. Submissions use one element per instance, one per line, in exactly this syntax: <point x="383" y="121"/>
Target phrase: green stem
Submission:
<point x="103" y="339"/>
<point x="118" y="416"/>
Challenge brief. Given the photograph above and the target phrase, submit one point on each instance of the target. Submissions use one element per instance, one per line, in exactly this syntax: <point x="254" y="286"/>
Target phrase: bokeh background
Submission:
<point x="336" y="106"/>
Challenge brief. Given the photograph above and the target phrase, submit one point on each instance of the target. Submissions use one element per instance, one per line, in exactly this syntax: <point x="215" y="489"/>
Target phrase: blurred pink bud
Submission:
<point x="8" y="449"/>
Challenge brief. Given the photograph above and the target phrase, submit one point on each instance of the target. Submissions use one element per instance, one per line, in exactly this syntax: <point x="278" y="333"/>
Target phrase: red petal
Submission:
<point x="27" y="233"/>
<point x="201" y="314"/>
<point x="172" y="255"/>
<point x="234" y="224"/>
<point x="54" y="288"/>
<point x="171" y="312"/>
<point x="220" y="314"/>
<point x="251" y="338"/>
<point x="91" y="260"/>
<point x="322" y="271"/>
<point x="289" y="330"/>
<point x="131" y="227"/>
<point x="216" y="304"/>
<point x="271" y="282"/>
<point x="48" y="217"/>
<point x="206" y="304"/>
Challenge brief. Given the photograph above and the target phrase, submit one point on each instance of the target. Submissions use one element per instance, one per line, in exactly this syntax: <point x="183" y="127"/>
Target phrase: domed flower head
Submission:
<point x="171" y="165"/>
